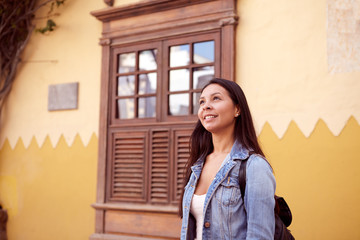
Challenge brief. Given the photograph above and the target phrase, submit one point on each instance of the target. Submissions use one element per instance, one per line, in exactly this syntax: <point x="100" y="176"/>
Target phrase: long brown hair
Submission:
<point x="201" y="143"/>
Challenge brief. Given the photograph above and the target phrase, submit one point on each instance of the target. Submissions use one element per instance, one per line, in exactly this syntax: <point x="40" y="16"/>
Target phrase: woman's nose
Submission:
<point x="206" y="106"/>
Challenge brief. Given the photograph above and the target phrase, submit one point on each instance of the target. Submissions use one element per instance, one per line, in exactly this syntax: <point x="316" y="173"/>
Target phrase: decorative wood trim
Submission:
<point x="129" y="124"/>
<point x="162" y="225"/>
<point x="110" y="3"/>
<point x="99" y="220"/>
<point x="228" y="53"/>
<point x="104" y="117"/>
<point x="151" y="22"/>
<point x="201" y="15"/>
<point x="136" y="207"/>
<point x="96" y="236"/>
<point x="233" y="20"/>
<point x="142" y="8"/>
<point x="105" y="42"/>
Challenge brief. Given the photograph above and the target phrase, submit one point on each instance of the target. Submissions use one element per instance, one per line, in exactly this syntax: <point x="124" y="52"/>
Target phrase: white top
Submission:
<point x="196" y="209"/>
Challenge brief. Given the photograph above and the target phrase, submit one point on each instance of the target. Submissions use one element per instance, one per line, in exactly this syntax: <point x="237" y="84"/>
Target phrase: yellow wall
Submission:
<point x="48" y="191"/>
<point x="48" y="160"/>
<point x="318" y="176"/>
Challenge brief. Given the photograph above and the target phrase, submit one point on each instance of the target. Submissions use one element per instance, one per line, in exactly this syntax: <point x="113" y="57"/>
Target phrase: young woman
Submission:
<point x="212" y="207"/>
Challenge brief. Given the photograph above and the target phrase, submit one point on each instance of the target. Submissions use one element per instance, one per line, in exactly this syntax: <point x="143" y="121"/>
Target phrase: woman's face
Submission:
<point x="217" y="111"/>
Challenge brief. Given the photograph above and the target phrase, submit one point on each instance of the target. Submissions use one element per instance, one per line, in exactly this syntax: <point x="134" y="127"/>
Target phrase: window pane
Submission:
<point x="147" y="83"/>
<point x="126" y="85"/>
<point x="179" y="104"/>
<point x="126" y="62"/>
<point x="147" y="60"/>
<point x="196" y="104"/>
<point x="179" y="55"/>
<point x="204" y="52"/>
<point x="179" y="80"/>
<point x="202" y="75"/>
<point x="126" y="108"/>
<point x="147" y="107"/>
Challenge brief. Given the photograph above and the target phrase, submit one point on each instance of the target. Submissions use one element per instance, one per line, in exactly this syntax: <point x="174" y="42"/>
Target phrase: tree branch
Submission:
<point x="16" y="27"/>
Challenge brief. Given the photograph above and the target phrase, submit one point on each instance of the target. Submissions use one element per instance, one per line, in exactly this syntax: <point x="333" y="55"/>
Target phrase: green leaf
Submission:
<point x="50" y="25"/>
<point x="59" y="2"/>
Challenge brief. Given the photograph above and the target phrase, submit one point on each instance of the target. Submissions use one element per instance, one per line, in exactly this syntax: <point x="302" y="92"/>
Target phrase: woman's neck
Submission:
<point x="222" y="143"/>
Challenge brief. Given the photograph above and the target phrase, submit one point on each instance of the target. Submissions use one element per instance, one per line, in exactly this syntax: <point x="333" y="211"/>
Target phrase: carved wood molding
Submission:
<point x="105" y="42"/>
<point x="109" y="2"/>
<point x="233" y="20"/>
<point x="141" y="8"/>
<point x="136" y="207"/>
<point x="163" y="18"/>
<point x="159" y="23"/>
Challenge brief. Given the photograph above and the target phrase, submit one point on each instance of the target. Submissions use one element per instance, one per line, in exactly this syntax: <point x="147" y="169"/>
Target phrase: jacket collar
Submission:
<point x="237" y="152"/>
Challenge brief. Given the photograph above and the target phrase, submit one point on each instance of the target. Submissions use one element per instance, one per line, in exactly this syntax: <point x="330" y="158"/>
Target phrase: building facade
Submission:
<point x="111" y="167"/>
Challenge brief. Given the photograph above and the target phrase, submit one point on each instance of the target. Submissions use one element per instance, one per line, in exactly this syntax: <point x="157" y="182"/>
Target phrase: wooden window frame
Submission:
<point x="131" y="48"/>
<point x="208" y="36"/>
<point x="162" y="101"/>
<point x="143" y="23"/>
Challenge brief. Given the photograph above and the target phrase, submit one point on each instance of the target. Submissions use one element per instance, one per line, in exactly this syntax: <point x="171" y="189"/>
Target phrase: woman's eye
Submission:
<point x="216" y="98"/>
<point x="201" y="102"/>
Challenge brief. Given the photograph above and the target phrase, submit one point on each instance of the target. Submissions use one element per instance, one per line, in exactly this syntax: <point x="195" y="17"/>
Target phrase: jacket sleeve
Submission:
<point x="259" y="199"/>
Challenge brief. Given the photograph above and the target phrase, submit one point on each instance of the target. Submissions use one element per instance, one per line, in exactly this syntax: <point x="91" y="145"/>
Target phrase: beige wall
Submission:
<point x="70" y="54"/>
<point x="282" y="63"/>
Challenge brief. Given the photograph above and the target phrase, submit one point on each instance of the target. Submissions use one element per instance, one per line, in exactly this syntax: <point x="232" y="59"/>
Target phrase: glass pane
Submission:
<point x="147" y="83"/>
<point x="179" y="104"/>
<point x="196" y="104"/>
<point x="204" y="52"/>
<point x="126" y="62"/>
<point x="202" y="75"/>
<point x="147" y="60"/>
<point x="179" y="80"/>
<point x="126" y="108"/>
<point x="126" y="85"/>
<point x="147" y="107"/>
<point x="179" y="55"/>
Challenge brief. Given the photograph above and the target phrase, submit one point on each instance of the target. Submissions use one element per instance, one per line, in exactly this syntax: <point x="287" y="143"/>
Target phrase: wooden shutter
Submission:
<point x="128" y="166"/>
<point x="181" y="147"/>
<point x="160" y="166"/>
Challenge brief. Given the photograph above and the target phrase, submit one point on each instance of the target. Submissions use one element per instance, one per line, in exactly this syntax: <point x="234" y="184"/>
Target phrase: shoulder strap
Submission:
<point x="242" y="177"/>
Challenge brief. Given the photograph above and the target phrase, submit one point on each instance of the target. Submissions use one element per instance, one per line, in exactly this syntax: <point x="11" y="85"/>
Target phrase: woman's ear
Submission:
<point x="237" y="111"/>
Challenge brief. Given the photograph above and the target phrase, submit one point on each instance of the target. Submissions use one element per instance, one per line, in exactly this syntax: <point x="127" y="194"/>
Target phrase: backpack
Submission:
<point x="282" y="211"/>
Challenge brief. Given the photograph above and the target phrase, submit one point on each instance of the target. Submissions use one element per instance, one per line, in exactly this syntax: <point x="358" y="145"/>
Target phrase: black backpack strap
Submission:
<point x="283" y="215"/>
<point x="242" y="177"/>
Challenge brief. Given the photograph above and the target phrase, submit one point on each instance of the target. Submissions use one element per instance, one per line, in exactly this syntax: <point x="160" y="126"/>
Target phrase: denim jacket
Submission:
<point x="225" y="216"/>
